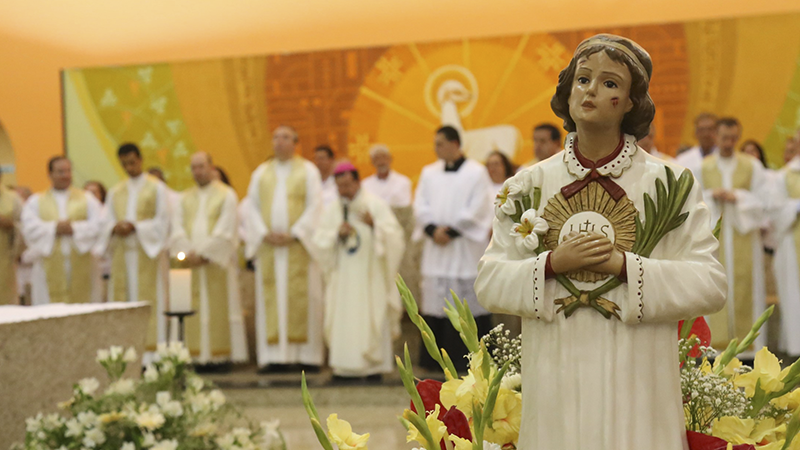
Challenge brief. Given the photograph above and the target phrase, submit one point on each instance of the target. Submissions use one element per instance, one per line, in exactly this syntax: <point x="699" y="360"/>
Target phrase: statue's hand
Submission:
<point x="579" y="251"/>
<point x="611" y="266"/>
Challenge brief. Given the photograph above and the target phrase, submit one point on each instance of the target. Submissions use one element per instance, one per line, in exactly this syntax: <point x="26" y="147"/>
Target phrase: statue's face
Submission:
<point x="600" y="91"/>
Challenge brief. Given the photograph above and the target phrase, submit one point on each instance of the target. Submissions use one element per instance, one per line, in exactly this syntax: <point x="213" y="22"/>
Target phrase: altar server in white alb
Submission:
<point x="60" y="227"/>
<point x="285" y="199"/>
<point x="784" y="210"/>
<point x="136" y="230"/>
<point x="10" y="212"/>
<point x="601" y="374"/>
<point x="360" y="244"/>
<point x="205" y="233"/>
<point x="453" y="206"/>
<point x="393" y="187"/>
<point x="736" y="188"/>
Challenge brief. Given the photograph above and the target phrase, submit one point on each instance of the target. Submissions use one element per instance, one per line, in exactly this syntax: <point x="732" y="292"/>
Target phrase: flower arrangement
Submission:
<point x="168" y="408"/>
<point x="727" y="405"/>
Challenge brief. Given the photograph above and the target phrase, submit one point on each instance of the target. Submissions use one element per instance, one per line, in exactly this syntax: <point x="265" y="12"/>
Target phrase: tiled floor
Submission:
<point x="369" y="408"/>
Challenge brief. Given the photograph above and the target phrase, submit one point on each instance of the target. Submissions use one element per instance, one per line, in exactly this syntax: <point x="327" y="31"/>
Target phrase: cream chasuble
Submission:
<point x="139" y="265"/>
<point x="784" y="208"/>
<point x="10" y="207"/>
<point x="741" y="249"/>
<point x="205" y="223"/>
<point x="362" y="304"/>
<point x="285" y="197"/>
<point x="64" y="270"/>
<point x="591" y="382"/>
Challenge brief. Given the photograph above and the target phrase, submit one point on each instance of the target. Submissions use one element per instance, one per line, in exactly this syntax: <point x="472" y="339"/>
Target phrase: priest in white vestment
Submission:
<point x="136" y="230"/>
<point x="285" y="199"/>
<point x="784" y="210"/>
<point x="705" y="131"/>
<point x="204" y="232"/>
<point x="392" y="187"/>
<point x="360" y="244"/>
<point x="454" y="208"/>
<point x="602" y="375"/>
<point x="60" y="227"/>
<point x="10" y="212"/>
<point x="736" y="189"/>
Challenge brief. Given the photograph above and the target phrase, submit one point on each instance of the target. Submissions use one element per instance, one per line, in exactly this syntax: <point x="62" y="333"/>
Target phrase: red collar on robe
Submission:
<point x="608" y="184"/>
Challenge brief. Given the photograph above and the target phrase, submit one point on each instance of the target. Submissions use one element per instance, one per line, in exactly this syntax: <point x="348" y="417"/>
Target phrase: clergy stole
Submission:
<point x="148" y="268"/>
<point x="743" y="251"/>
<point x="78" y="288"/>
<point x="216" y="277"/>
<point x="8" y="274"/>
<point x="297" y="285"/>
<point x="793" y="191"/>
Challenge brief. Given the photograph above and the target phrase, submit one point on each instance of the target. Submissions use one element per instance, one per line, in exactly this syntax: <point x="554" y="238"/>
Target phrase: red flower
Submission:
<point x="700" y="441"/>
<point x="429" y="391"/>
<point x="702" y="331"/>
<point x="457" y="424"/>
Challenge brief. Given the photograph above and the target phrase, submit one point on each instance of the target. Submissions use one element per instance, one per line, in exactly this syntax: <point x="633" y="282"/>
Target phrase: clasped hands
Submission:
<point x="587" y="251"/>
<point x="346" y="229"/>
<point x="64" y="228"/>
<point x="6" y="222"/>
<point x="724" y="195"/>
<point x="278" y="239"/>
<point x="440" y="235"/>
<point x="124" y="229"/>
<point x="194" y="260"/>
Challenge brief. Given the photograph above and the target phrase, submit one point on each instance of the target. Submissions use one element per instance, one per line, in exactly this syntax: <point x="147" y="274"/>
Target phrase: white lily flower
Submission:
<point x="115" y="351"/>
<point x="518" y="185"/>
<point x="102" y="355"/>
<point x="527" y="232"/>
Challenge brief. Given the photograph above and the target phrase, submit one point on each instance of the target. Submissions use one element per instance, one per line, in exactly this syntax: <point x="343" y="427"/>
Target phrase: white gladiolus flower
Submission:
<point x="102" y="355"/>
<point x="130" y="355"/>
<point x="88" y="385"/>
<point x="116" y="351"/>
<point x="150" y="373"/>
<point x="128" y="446"/>
<point x="124" y="386"/>
<point x="171" y="444"/>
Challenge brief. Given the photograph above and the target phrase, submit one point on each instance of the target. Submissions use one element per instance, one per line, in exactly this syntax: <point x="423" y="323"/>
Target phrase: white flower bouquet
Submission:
<point x="168" y="408"/>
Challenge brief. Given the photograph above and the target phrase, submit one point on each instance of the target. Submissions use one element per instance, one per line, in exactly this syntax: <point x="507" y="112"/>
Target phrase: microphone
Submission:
<point x="345" y="208"/>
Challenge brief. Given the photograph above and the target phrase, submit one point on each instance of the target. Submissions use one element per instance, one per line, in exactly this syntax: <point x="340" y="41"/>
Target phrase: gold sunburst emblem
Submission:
<point x="591" y="210"/>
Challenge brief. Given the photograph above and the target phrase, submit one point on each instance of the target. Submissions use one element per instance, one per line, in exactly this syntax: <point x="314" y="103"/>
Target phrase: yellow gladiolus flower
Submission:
<point x="733" y="429"/>
<point x="473" y="387"/>
<point x="790" y="401"/>
<point x="341" y="433"/>
<point x="460" y="443"/>
<point x="437" y="427"/>
<point x="767" y="369"/>
<point x="730" y="369"/>
<point x="506" y="418"/>
<point x="767" y="430"/>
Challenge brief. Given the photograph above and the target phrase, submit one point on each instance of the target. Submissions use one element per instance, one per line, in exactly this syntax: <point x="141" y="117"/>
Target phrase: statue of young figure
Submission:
<point x="600" y="367"/>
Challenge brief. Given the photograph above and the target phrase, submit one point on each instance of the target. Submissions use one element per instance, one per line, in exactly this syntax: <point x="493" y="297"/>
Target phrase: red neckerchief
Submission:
<point x="608" y="184"/>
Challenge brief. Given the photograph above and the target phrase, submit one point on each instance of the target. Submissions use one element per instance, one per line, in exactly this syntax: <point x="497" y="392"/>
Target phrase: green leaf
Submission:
<point x="687" y="327"/>
<point x="537" y="198"/>
<point x="313" y="416"/>
<point x="526" y="202"/>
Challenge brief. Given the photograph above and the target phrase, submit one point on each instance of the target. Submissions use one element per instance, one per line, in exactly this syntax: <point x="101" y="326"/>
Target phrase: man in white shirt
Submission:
<point x="285" y="196"/>
<point x="325" y="161"/>
<point x="60" y="227"/>
<point x="394" y="188"/>
<point x="453" y="205"/>
<point x="705" y="131"/>
<point x="135" y="231"/>
<point x="736" y="189"/>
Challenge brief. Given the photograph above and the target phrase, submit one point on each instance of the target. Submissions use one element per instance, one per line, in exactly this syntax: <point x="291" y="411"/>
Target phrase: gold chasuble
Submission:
<point x="213" y="275"/>
<point x="741" y="322"/>
<point x="8" y="274"/>
<point x="148" y="269"/>
<point x="299" y="258"/>
<point x="793" y="191"/>
<point x="78" y="287"/>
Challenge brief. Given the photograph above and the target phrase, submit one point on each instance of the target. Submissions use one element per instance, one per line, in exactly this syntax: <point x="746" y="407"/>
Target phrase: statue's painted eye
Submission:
<point x="583" y="80"/>
<point x="610" y="84"/>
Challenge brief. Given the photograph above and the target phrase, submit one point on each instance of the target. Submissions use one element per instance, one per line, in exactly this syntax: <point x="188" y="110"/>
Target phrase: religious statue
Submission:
<point x="601" y="251"/>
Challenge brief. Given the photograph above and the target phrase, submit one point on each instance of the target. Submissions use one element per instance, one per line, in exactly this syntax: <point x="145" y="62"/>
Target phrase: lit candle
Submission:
<point x="180" y="290"/>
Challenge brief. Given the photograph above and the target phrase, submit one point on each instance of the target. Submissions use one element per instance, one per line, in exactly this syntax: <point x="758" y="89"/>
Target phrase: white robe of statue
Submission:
<point x="284" y="352"/>
<point x="746" y="215"/>
<point x="395" y="189"/>
<point x="40" y="237"/>
<point x="784" y="212"/>
<point x="219" y="246"/>
<point x="362" y="304"/>
<point x="591" y="382"/>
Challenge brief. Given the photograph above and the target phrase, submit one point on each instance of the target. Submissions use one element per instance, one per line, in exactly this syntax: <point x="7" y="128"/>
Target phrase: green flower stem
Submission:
<point x="417" y="419"/>
<point x="463" y="321"/>
<point x="791" y="429"/>
<point x="311" y="410"/>
<point x="687" y="328"/>
<point x="733" y="349"/>
<point x="482" y="416"/>
<point x="428" y="338"/>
